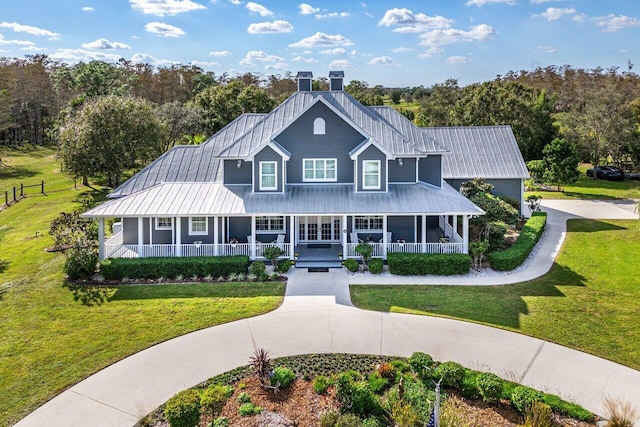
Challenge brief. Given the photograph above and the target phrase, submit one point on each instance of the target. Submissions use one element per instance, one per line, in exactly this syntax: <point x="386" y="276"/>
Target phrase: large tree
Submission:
<point x="438" y="107"/>
<point x="109" y="135"/>
<point x="560" y="162"/>
<point x="179" y="121"/>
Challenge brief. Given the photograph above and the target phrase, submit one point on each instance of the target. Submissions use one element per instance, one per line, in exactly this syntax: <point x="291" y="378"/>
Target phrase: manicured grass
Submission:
<point x="590" y="299"/>
<point x="587" y="188"/>
<point x="54" y="335"/>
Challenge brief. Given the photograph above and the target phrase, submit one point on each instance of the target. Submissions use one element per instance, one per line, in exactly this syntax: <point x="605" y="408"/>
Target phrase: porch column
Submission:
<point x="465" y="234"/>
<point x="140" y="236"/>
<point x="178" y="236"/>
<point x="151" y="231"/>
<point x="100" y="239"/>
<point x="424" y="234"/>
<point x="253" y="237"/>
<point x="384" y="237"/>
<point x="292" y="237"/>
<point x="455" y="226"/>
<point x="216" y="231"/>
<point x="345" y="235"/>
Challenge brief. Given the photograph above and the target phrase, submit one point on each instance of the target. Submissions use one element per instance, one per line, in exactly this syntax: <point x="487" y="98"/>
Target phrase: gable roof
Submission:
<point x="479" y="152"/>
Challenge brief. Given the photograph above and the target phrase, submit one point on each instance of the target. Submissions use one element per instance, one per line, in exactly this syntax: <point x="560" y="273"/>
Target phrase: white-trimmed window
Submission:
<point x="198" y="225"/>
<point x="368" y="223"/>
<point x="269" y="224"/>
<point x="164" y="223"/>
<point x="371" y="174"/>
<point x="268" y="175"/>
<point x="319" y="170"/>
<point x="318" y="126"/>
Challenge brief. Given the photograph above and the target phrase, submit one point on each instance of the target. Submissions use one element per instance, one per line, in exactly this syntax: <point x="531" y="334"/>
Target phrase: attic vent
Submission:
<point x="304" y="81"/>
<point x="336" y="80"/>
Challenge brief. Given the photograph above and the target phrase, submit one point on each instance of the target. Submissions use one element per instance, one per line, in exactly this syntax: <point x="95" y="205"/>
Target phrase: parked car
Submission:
<point x="609" y="173"/>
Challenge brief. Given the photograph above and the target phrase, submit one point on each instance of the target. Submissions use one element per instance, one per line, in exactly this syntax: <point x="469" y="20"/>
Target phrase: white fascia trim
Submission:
<point x="366" y="144"/>
<point x="274" y="146"/>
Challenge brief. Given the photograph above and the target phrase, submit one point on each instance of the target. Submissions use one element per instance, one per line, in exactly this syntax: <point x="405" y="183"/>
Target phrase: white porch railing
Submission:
<point x="115" y="249"/>
<point x="429" y="248"/>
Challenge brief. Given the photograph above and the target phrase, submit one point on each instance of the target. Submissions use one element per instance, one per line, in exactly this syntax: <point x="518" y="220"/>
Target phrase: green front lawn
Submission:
<point x="590" y="299"/>
<point x="588" y="188"/>
<point x="54" y="335"/>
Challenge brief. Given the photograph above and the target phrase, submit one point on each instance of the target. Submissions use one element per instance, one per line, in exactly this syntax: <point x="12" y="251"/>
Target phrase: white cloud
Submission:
<point x="279" y="66"/>
<point x="382" y="60"/>
<point x="545" y="1"/>
<point x="270" y="27"/>
<point x="555" y="13"/>
<point x="87" y="9"/>
<point x="338" y="51"/>
<point x="77" y="55"/>
<point x="165" y="7"/>
<point x="341" y="64"/>
<point x="236" y="2"/>
<point x="19" y="28"/>
<point x="611" y="22"/>
<point x="148" y="59"/>
<point x="432" y="51"/>
<point x="254" y="56"/>
<point x="258" y="8"/>
<point x="449" y="36"/>
<point x="457" y="60"/>
<point x="334" y="15"/>
<point x="304" y="60"/>
<point x="402" y="49"/>
<point x="483" y="2"/>
<point x="163" y="30"/>
<point x="220" y="53"/>
<point x="408" y="22"/>
<point x="105" y="44"/>
<point x="547" y="49"/>
<point x="16" y="42"/>
<point x="307" y="9"/>
<point x="322" y="40"/>
<point x="34" y="48"/>
<point x="205" y="64"/>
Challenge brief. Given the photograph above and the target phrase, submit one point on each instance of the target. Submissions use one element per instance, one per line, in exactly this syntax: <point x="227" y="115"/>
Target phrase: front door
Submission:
<point x="319" y="229"/>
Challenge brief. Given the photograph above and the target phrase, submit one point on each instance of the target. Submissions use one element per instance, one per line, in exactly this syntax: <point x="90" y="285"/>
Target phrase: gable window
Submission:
<point x="319" y="170"/>
<point x="368" y="223"/>
<point x="371" y="174"/>
<point x="164" y="223"/>
<point x="318" y="126"/>
<point x="198" y="225"/>
<point x="270" y="224"/>
<point x="268" y="176"/>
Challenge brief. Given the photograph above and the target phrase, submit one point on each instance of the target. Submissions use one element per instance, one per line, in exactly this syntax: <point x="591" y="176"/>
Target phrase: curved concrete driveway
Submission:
<point x="317" y="317"/>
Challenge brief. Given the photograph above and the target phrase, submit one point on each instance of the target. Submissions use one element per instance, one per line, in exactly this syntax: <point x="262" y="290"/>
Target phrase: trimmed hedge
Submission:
<point x="518" y="253"/>
<point x="376" y="266"/>
<point x="410" y="264"/>
<point x="171" y="267"/>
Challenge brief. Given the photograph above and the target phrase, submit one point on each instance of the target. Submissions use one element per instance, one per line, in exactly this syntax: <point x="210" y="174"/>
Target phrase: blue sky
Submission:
<point x="393" y="43"/>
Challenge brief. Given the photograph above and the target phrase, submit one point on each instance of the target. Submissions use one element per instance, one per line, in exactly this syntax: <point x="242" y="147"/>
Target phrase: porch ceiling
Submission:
<point x="212" y="199"/>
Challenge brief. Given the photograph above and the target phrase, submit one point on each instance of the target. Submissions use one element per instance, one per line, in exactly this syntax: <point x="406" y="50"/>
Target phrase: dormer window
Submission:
<point x="318" y="126"/>
<point x="371" y="174"/>
<point x="268" y="176"/>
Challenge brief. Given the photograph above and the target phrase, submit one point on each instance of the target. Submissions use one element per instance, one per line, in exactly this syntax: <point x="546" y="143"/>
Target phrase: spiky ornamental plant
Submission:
<point x="261" y="365"/>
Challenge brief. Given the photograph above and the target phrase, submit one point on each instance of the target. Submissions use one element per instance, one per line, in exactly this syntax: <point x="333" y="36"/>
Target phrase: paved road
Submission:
<point x="317" y="317"/>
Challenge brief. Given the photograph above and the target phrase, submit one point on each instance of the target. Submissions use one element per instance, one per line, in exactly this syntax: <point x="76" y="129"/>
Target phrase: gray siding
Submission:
<point x="129" y="231"/>
<point x="372" y="153"/>
<point x="404" y="173"/>
<point x="502" y="187"/>
<point x="239" y="228"/>
<point x="235" y="175"/>
<point x="267" y="154"/>
<point x="401" y="227"/>
<point x="430" y="170"/>
<point x="339" y="139"/>
<point x="186" y="238"/>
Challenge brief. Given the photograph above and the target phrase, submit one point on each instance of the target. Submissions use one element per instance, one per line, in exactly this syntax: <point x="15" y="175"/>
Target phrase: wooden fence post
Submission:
<point x="6" y="198"/>
<point x="14" y="194"/>
<point x="43" y="188"/>
<point x="21" y="190"/>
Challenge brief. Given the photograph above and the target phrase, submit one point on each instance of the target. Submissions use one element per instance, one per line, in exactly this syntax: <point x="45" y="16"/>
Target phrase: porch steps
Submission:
<point x="315" y="264"/>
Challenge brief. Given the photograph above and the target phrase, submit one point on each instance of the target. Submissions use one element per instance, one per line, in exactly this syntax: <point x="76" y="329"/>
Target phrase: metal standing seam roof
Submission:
<point x="479" y="151"/>
<point x="208" y="198"/>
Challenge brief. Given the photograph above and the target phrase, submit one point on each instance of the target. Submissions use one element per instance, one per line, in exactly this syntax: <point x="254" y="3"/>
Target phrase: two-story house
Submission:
<point x="321" y="172"/>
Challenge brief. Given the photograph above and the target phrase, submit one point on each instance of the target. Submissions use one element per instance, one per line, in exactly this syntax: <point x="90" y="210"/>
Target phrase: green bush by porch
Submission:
<point x="412" y="264"/>
<point x="518" y="253"/>
<point x="172" y="267"/>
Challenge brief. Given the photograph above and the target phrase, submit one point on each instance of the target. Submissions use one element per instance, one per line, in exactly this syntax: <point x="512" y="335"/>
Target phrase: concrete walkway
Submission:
<point x="317" y="317"/>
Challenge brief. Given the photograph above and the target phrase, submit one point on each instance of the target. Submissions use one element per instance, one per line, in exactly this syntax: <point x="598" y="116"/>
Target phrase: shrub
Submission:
<point x="261" y="364"/>
<point x="244" y="397"/>
<point x="452" y="414"/>
<point x="522" y="397"/>
<point x="495" y="209"/>
<point x="248" y="409"/>
<point x="452" y="374"/>
<point x="518" y="253"/>
<point x="258" y="269"/>
<point x="171" y="267"/>
<point x="377" y="383"/>
<point x="329" y="418"/>
<point x="283" y="376"/>
<point x="352" y="265"/>
<point x="283" y="266"/>
<point x="272" y="253"/>
<point x="404" y="416"/>
<point x="221" y="422"/>
<point x="495" y="234"/>
<point x="81" y="263"/>
<point x="386" y="370"/>
<point x="376" y="266"/>
<point x="321" y="384"/>
<point x="619" y="414"/>
<point x="411" y="264"/>
<point x="537" y="415"/>
<point x="469" y="388"/>
<point x="572" y="410"/>
<point x="348" y="420"/>
<point x="422" y="364"/>
<point x="183" y="409"/>
<point x="490" y="387"/>
<point x="214" y="397"/>
<point x="356" y="397"/>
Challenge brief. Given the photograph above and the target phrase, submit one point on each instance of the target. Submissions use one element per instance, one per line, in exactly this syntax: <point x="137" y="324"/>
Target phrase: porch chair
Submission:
<point x="279" y="241"/>
<point x="354" y="238"/>
<point x="389" y="233"/>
